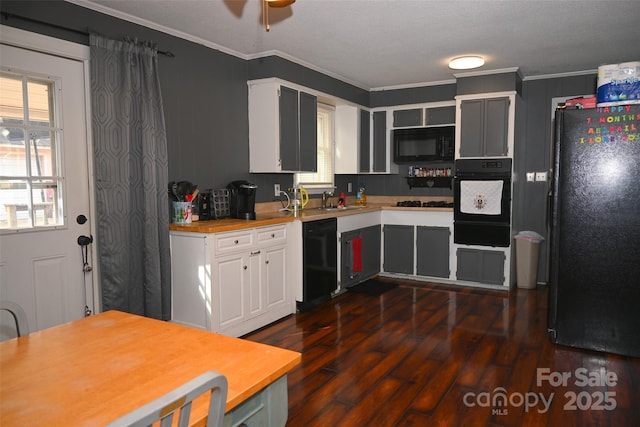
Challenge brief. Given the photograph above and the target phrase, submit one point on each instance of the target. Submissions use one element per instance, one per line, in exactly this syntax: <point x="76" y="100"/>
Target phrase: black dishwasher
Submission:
<point x="319" y="262"/>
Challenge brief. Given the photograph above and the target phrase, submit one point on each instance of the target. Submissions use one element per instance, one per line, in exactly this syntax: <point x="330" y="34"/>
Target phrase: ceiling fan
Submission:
<point x="266" y="4"/>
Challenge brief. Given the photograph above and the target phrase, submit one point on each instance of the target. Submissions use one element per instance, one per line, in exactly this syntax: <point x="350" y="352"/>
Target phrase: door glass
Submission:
<point x="30" y="172"/>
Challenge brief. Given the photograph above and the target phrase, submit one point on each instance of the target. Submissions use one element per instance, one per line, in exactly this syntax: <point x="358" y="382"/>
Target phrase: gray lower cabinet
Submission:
<point x="398" y="249"/>
<point x="479" y="265"/>
<point x="267" y="407"/>
<point x="369" y="255"/>
<point x="432" y="251"/>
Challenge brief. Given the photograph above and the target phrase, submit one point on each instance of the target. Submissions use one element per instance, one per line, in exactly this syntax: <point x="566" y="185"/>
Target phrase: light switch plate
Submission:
<point x="531" y="176"/>
<point x="276" y="190"/>
<point x="541" y="176"/>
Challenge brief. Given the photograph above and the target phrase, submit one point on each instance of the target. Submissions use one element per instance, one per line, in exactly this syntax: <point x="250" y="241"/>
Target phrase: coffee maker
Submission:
<point x="242" y="199"/>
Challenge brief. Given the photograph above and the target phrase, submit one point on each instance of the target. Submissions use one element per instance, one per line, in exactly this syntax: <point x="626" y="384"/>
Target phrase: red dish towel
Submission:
<point x="356" y="248"/>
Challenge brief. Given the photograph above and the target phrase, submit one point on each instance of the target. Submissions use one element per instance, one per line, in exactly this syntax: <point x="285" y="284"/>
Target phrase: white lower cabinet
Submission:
<point x="244" y="285"/>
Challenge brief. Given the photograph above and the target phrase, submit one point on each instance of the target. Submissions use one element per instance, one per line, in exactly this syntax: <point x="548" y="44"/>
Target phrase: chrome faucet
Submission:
<point x="325" y="196"/>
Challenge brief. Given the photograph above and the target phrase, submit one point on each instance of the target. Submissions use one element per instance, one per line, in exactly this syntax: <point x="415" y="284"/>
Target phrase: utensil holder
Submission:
<point x="181" y="213"/>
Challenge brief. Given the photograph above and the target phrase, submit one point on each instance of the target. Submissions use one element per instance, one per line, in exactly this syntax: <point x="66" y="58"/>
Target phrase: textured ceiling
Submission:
<point x="390" y="43"/>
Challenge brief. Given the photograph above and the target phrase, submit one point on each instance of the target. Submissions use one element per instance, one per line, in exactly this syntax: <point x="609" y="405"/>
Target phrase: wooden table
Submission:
<point x="92" y="371"/>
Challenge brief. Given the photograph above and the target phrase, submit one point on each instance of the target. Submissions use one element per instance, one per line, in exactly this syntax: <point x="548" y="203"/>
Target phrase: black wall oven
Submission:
<point x="482" y="202"/>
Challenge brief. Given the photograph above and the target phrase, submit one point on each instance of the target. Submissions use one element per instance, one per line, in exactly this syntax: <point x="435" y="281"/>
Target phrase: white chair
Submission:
<point x="19" y="316"/>
<point x="179" y="400"/>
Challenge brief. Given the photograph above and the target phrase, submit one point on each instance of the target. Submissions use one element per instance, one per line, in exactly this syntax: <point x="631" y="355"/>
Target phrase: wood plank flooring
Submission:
<point x="425" y="354"/>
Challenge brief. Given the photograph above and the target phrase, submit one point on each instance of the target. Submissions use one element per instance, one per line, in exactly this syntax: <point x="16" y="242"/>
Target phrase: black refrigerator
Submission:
<point x="594" y="295"/>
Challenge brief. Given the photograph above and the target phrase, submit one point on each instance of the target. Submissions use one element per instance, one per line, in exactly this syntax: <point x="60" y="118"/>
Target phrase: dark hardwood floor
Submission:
<point x="427" y="355"/>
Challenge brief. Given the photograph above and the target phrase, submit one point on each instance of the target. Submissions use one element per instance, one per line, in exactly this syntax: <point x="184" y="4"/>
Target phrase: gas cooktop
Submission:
<point x="419" y="204"/>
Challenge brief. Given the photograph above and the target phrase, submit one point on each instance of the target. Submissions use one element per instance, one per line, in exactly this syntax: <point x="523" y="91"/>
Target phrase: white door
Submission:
<point x="42" y="266"/>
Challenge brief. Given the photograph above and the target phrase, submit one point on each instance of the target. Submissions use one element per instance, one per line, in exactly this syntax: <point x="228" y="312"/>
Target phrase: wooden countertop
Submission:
<point x="94" y="370"/>
<point x="231" y="224"/>
<point x="275" y="217"/>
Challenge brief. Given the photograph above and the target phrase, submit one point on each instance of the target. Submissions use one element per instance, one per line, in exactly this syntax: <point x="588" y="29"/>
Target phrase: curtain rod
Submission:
<point x="7" y="15"/>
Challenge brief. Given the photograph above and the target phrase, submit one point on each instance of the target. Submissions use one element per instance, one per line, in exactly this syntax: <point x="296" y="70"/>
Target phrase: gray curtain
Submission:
<point x="131" y="174"/>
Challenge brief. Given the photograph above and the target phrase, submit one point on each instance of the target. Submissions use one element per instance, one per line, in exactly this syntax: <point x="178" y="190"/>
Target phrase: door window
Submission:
<point x="30" y="160"/>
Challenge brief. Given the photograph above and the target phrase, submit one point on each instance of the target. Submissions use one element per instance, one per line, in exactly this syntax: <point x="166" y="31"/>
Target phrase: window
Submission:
<point x="30" y="164"/>
<point x="322" y="180"/>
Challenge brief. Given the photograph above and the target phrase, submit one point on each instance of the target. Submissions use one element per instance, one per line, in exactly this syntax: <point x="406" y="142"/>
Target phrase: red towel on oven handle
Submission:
<point x="356" y="250"/>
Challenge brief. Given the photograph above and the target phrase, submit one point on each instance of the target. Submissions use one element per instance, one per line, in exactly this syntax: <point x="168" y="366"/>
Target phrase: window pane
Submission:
<point x="14" y="204"/>
<point x="11" y="103"/>
<point x="30" y="175"/>
<point x="40" y="100"/>
<point x="42" y="151"/>
<point x="45" y="202"/>
<point x="12" y="152"/>
<point x="323" y="178"/>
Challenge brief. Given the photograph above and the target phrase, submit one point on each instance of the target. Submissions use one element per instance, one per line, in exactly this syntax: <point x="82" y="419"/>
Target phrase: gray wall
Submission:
<point x="205" y="102"/>
<point x="204" y="91"/>
<point x="536" y="136"/>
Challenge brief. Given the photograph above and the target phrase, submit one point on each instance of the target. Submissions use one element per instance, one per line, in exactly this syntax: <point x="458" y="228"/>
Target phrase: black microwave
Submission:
<point x="424" y="144"/>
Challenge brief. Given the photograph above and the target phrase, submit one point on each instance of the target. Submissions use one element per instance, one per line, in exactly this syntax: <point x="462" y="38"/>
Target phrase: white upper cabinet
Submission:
<point x="347" y="154"/>
<point x="363" y="141"/>
<point x="283" y="131"/>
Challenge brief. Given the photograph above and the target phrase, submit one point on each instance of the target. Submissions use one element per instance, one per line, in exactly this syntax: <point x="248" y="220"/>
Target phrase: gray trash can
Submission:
<point x="527" y="254"/>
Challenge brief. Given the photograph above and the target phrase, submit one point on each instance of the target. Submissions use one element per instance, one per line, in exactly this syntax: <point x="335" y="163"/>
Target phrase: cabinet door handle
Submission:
<point x="266" y="262"/>
<point x="255" y="252"/>
<point x="244" y="267"/>
<point x="235" y="241"/>
<point x="273" y="235"/>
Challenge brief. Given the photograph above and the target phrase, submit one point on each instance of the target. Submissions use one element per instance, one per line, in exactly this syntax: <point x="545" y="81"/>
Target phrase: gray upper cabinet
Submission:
<point x="362" y="141"/>
<point x="405" y="118"/>
<point x="298" y="130"/>
<point x="429" y="116"/>
<point x="440" y="116"/>
<point x="484" y="127"/>
<point x="308" y="141"/>
<point x="289" y="131"/>
<point x="282" y="128"/>
<point x="365" y="140"/>
<point x="380" y="147"/>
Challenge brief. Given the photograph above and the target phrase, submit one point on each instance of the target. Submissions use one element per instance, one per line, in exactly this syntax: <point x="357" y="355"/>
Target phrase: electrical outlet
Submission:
<point x="349" y="187"/>
<point x="276" y="190"/>
<point x="541" y="176"/>
<point x="531" y="176"/>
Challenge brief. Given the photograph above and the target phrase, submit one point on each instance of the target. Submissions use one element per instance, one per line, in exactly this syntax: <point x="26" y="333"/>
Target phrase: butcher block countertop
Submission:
<point x="268" y="214"/>
<point x="91" y="371"/>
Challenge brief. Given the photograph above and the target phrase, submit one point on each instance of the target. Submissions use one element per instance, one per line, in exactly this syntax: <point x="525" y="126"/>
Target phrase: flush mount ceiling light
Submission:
<point x="266" y="4"/>
<point x="466" y="62"/>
